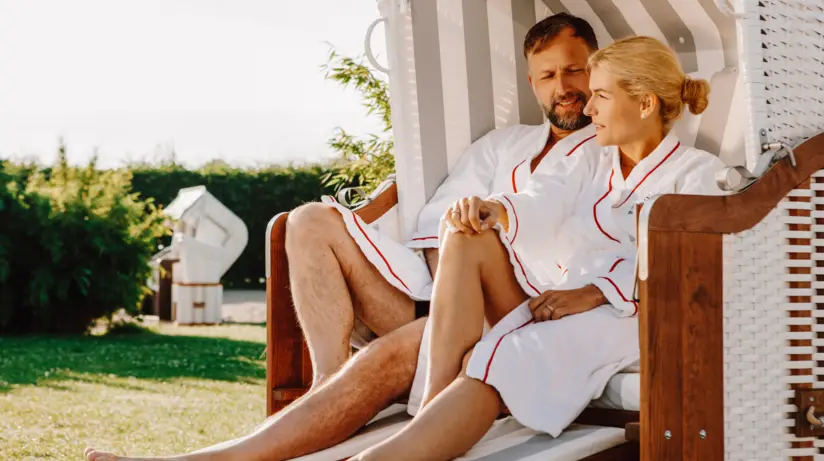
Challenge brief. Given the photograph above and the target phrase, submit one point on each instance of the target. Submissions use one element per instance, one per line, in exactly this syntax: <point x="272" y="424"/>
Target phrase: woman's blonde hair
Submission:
<point x="645" y="65"/>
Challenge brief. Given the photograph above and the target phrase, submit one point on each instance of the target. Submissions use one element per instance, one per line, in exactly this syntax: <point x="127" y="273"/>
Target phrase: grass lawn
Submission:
<point x="165" y="391"/>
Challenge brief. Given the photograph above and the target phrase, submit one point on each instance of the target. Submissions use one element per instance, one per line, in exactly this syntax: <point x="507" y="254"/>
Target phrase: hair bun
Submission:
<point x="695" y="93"/>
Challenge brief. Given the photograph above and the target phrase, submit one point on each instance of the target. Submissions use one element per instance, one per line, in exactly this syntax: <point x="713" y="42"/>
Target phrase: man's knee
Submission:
<point x="315" y="220"/>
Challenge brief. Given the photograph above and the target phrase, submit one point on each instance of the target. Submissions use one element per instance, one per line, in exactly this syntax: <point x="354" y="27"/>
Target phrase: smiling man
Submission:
<point x="350" y="284"/>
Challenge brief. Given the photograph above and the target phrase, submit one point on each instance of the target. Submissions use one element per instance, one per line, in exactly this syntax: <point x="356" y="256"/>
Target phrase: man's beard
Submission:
<point x="570" y="121"/>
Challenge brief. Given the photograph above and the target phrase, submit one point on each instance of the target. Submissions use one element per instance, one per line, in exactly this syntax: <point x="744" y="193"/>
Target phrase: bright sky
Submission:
<point x="238" y="80"/>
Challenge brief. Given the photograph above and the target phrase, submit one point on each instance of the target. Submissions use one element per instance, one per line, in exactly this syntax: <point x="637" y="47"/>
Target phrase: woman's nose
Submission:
<point x="588" y="111"/>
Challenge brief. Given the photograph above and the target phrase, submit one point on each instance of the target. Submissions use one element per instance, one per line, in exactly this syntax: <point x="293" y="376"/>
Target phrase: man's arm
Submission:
<point x="471" y="176"/>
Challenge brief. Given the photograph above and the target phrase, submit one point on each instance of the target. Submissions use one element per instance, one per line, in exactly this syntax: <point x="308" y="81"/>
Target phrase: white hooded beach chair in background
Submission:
<point x="208" y="238"/>
<point x="728" y="337"/>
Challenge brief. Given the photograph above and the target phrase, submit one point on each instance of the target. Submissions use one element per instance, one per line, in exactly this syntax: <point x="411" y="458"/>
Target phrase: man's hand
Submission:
<point x="554" y="305"/>
<point x="473" y="215"/>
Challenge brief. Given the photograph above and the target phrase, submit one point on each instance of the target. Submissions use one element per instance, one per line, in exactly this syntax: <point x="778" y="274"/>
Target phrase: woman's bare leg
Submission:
<point x="474" y="279"/>
<point x="449" y="426"/>
<point x="378" y="375"/>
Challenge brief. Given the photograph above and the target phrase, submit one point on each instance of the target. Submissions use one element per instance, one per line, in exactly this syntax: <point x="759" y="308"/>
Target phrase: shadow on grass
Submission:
<point x="144" y="355"/>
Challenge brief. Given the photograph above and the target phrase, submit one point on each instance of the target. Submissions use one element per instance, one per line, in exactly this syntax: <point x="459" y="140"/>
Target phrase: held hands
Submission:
<point x="554" y="305"/>
<point x="473" y="215"/>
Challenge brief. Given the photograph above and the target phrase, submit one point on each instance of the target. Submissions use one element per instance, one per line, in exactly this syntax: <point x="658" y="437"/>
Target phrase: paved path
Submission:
<point x="245" y="306"/>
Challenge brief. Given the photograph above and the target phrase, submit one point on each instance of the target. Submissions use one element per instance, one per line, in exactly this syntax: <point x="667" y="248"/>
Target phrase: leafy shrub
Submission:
<point x="75" y="246"/>
<point x="364" y="162"/>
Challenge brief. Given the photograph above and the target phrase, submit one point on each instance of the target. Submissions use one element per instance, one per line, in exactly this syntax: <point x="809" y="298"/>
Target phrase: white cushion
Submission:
<point x="623" y="392"/>
<point x="507" y="440"/>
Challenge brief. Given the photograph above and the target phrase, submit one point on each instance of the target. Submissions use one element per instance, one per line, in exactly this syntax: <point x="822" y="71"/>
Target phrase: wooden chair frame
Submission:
<point x="680" y="314"/>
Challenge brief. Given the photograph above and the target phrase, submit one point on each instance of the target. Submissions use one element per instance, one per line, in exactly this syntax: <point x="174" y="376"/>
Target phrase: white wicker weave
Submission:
<point x="783" y="66"/>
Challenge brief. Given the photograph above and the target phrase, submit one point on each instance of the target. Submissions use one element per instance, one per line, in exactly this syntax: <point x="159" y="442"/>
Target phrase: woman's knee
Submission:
<point x="459" y="246"/>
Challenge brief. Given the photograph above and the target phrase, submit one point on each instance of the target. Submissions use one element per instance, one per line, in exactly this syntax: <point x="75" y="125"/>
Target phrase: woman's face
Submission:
<point x="615" y="115"/>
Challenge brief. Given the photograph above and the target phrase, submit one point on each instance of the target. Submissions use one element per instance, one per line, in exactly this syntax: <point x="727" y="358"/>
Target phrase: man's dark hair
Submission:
<point x="548" y="28"/>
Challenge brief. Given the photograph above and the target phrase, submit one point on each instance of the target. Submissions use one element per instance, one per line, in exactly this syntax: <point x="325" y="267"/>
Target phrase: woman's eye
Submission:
<point x="601" y="96"/>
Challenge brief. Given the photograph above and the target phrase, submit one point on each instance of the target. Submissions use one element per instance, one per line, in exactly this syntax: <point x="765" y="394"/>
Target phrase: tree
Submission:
<point x="364" y="162"/>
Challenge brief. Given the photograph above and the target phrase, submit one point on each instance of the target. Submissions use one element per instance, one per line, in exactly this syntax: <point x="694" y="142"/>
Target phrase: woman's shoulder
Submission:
<point x="693" y="155"/>
<point x="698" y="170"/>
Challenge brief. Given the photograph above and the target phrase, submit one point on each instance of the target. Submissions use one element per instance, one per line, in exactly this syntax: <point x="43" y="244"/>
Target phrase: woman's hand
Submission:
<point x="554" y="305"/>
<point x="473" y="215"/>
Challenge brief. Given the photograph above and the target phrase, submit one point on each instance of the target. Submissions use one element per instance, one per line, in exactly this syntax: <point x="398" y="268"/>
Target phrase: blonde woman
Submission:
<point x="551" y="350"/>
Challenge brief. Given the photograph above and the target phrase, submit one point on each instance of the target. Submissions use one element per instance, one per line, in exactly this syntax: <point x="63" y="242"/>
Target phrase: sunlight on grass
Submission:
<point x="164" y="391"/>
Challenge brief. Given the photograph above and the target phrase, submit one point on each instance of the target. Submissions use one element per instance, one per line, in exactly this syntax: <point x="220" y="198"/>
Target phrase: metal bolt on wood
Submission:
<point x="667" y="435"/>
<point x="702" y="434"/>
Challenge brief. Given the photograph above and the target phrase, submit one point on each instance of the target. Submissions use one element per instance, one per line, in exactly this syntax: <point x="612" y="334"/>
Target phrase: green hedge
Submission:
<point x="75" y="243"/>
<point x="75" y="246"/>
<point x="255" y="195"/>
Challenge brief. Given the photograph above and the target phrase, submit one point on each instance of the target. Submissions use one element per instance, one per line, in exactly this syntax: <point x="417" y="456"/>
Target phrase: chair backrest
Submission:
<point x="457" y="71"/>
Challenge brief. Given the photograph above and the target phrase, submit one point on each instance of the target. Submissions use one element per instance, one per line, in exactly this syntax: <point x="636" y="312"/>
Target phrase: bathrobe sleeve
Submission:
<point x="536" y="213"/>
<point x="473" y="175"/>
<point x="614" y="274"/>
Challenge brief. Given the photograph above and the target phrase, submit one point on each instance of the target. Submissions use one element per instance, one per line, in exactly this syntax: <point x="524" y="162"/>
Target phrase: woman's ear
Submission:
<point x="649" y="104"/>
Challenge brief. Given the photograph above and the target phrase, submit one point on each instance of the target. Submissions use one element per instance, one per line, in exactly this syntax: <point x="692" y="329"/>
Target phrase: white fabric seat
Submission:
<point x="623" y="392"/>
<point x="506" y="440"/>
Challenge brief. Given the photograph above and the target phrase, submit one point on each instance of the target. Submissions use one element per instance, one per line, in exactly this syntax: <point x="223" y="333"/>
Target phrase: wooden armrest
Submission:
<point x="288" y="365"/>
<point x="736" y="213"/>
<point x="384" y="202"/>
<point x="681" y="308"/>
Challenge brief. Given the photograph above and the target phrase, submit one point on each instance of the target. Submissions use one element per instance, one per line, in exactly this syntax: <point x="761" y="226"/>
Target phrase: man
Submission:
<point x="334" y="280"/>
<point x="345" y="276"/>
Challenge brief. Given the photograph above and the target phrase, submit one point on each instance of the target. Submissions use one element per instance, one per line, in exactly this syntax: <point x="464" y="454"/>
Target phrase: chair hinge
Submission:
<point x="809" y="412"/>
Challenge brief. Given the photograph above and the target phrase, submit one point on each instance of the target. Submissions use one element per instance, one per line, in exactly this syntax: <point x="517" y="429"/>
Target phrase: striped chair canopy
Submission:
<point x="457" y="71"/>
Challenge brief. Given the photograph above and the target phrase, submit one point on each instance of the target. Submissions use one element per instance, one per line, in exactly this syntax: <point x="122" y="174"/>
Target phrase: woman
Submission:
<point x="551" y="350"/>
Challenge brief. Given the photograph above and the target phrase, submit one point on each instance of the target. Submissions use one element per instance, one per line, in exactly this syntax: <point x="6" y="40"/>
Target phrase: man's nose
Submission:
<point x="563" y="86"/>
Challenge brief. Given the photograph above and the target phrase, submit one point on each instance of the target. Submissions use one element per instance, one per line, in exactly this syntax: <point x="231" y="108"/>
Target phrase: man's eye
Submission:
<point x="549" y="76"/>
<point x="601" y="95"/>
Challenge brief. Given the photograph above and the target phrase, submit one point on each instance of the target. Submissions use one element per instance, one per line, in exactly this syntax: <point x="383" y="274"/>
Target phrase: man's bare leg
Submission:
<point x="332" y="282"/>
<point x="474" y="280"/>
<point x="449" y="426"/>
<point x="375" y="377"/>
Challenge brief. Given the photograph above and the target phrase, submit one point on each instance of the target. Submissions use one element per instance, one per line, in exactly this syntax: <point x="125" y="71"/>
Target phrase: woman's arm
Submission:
<point x="531" y="217"/>
<point x="614" y="275"/>
<point x="557" y="304"/>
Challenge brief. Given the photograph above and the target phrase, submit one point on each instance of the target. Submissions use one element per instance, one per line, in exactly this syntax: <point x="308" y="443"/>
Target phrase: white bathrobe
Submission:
<point x="581" y="212"/>
<point x="497" y="162"/>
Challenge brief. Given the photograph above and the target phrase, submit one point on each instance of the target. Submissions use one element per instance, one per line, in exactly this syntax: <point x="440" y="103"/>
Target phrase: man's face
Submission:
<point x="559" y="78"/>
